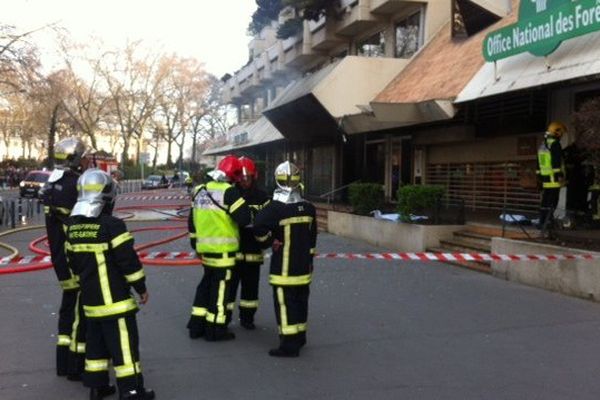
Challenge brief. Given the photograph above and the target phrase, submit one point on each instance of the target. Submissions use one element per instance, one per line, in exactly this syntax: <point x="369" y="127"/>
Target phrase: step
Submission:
<point x="465" y="246"/>
<point x="479" y="266"/>
<point x="511" y="232"/>
<point x="473" y="237"/>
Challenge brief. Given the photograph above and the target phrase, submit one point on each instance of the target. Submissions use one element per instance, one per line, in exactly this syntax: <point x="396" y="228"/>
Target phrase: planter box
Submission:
<point x="579" y="278"/>
<point x="398" y="236"/>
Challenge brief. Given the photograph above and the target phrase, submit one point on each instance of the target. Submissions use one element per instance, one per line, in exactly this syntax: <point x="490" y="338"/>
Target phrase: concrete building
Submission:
<point x="401" y="92"/>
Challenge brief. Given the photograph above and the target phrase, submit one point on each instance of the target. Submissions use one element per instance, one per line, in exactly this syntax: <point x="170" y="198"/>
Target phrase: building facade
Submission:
<point x="401" y="92"/>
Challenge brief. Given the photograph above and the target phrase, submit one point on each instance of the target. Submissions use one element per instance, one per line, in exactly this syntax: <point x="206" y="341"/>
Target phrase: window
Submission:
<point x="374" y="46"/>
<point x="408" y="36"/>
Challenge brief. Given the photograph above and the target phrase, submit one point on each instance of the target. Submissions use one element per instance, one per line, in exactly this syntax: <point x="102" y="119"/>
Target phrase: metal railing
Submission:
<point x="329" y="195"/>
<point x="20" y="211"/>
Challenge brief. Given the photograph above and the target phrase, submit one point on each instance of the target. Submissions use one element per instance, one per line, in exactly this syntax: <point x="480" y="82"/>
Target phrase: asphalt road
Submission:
<point x="377" y="330"/>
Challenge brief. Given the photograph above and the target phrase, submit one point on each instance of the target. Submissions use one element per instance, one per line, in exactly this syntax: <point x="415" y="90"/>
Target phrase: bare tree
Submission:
<point x="208" y="117"/>
<point x="132" y="80"/>
<point x="88" y="105"/>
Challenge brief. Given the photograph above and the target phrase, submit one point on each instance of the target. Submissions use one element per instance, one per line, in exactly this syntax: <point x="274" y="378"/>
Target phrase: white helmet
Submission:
<point x="69" y="152"/>
<point x="96" y="189"/>
<point x="287" y="176"/>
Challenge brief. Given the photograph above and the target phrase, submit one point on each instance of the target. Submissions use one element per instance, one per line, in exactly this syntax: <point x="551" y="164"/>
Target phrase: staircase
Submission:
<point x="477" y="238"/>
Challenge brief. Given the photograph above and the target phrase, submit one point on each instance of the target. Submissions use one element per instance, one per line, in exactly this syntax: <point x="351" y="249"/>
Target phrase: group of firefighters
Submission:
<point x="231" y="223"/>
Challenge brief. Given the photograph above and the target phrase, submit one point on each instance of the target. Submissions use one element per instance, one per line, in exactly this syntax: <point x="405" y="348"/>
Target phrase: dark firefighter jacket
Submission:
<point x="100" y="251"/>
<point x="250" y="249"/>
<point x="59" y="198"/>
<point x="295" y="226"/>
<point x="232" y="203"/>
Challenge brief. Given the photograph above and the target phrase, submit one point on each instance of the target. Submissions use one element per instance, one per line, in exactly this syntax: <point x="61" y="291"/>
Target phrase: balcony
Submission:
<point x="391" y="6"/>
<point x="322" y="35"/>
<point x="357" y="18"/>
<point x="231" y="91"/>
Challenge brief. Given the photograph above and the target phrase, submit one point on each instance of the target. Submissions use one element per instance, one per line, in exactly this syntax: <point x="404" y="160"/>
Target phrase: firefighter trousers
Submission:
<point x="291" y="312"/>
<point x="209" y="312"/>
<point x="70" y="346"/>
<point x="549" y="202"/>
<point x="246" y="275"/>
<point x="116" y="340"/>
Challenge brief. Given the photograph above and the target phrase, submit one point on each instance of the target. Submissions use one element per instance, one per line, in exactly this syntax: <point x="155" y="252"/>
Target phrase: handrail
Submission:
<point x="328" y="194"/>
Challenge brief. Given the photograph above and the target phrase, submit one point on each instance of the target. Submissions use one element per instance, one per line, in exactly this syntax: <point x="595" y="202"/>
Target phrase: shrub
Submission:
<point x="366" y="197"/>
<point x="414" y="199"/>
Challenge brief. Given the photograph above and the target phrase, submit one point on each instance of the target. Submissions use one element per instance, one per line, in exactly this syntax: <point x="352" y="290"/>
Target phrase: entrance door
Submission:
<point x="375" y="162"/>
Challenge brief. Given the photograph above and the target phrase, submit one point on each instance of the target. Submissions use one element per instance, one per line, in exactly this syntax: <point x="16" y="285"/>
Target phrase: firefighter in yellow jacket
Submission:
<point x="218" y="211"/>
<point x="100" y="251"/>
<point x="288" y="223"/>
<point x="551" y="169"/>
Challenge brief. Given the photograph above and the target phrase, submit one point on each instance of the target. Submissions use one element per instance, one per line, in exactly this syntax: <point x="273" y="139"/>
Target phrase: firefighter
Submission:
<point x="218" y="210"/>
<point x="59" y="195"/>
<point x="288" y="223"/>
<point x="247" y="270"/>
<point x="551" y="169"/>
<point x="100" y="251"/>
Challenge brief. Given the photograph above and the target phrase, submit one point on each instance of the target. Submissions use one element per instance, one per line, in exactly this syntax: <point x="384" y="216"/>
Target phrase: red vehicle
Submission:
<point x="33" y="182"/>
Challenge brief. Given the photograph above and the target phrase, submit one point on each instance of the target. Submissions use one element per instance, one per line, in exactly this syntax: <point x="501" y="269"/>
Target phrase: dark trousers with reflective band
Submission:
<point x="209" y="312"/>
<point x="116" y="340"/>
<point x="70" y="348"/>
<point x="291" y="311"/>
<point x="549" y="202"/>
<point x="246" y="275"/>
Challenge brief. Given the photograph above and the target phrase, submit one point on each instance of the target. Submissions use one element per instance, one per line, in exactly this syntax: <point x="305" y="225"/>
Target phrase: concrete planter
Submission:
<point x="579" y="278"/>
<point x="393" y="235"/>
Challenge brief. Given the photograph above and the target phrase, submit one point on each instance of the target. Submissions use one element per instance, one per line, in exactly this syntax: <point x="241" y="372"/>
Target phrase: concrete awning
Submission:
<point x="312" y="107"/>
<point x="425" y="90"/>
<point x="257" y="133"/>
<point x="575" y="58"/>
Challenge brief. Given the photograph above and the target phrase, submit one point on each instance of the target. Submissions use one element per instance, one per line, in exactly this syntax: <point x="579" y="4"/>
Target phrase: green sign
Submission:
<point x="543" y="25"/>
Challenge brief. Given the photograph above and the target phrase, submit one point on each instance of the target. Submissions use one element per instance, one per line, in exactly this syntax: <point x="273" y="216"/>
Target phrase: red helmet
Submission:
<point x="231" y="167"/>
<point x="248" y="167"/>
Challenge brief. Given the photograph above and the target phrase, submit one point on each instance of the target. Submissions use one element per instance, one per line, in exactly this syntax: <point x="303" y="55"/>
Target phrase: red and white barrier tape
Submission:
<point x="161" y="255"/>
<point x="23" y="260"/>
<point x="158" y="197"/>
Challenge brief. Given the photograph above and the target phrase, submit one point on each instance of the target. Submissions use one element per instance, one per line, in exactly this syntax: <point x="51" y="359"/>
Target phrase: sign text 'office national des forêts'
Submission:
<point x="543" y="25"/>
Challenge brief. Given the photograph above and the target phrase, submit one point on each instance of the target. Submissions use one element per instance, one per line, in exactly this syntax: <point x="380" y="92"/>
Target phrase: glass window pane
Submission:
<point x="408" y="34"/>
<point x="374" y="46"/>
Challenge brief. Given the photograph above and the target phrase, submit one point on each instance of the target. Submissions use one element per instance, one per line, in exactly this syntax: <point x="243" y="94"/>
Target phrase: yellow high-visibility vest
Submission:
<point x="216" y="232"/>
<point x="548" y="174"/>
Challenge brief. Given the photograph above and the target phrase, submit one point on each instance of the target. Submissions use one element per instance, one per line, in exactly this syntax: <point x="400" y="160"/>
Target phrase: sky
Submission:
<point x="212" y="31"/>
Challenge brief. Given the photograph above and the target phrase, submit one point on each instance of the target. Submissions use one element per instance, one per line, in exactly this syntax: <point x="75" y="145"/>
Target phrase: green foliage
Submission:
<point x="267" y="11"/>
<point x="414" y="199"/>
<point x="366" y="197"/>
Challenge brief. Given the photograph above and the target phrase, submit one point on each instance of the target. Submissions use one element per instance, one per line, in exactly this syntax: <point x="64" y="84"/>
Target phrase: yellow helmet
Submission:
<point x="556" y="129"/>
